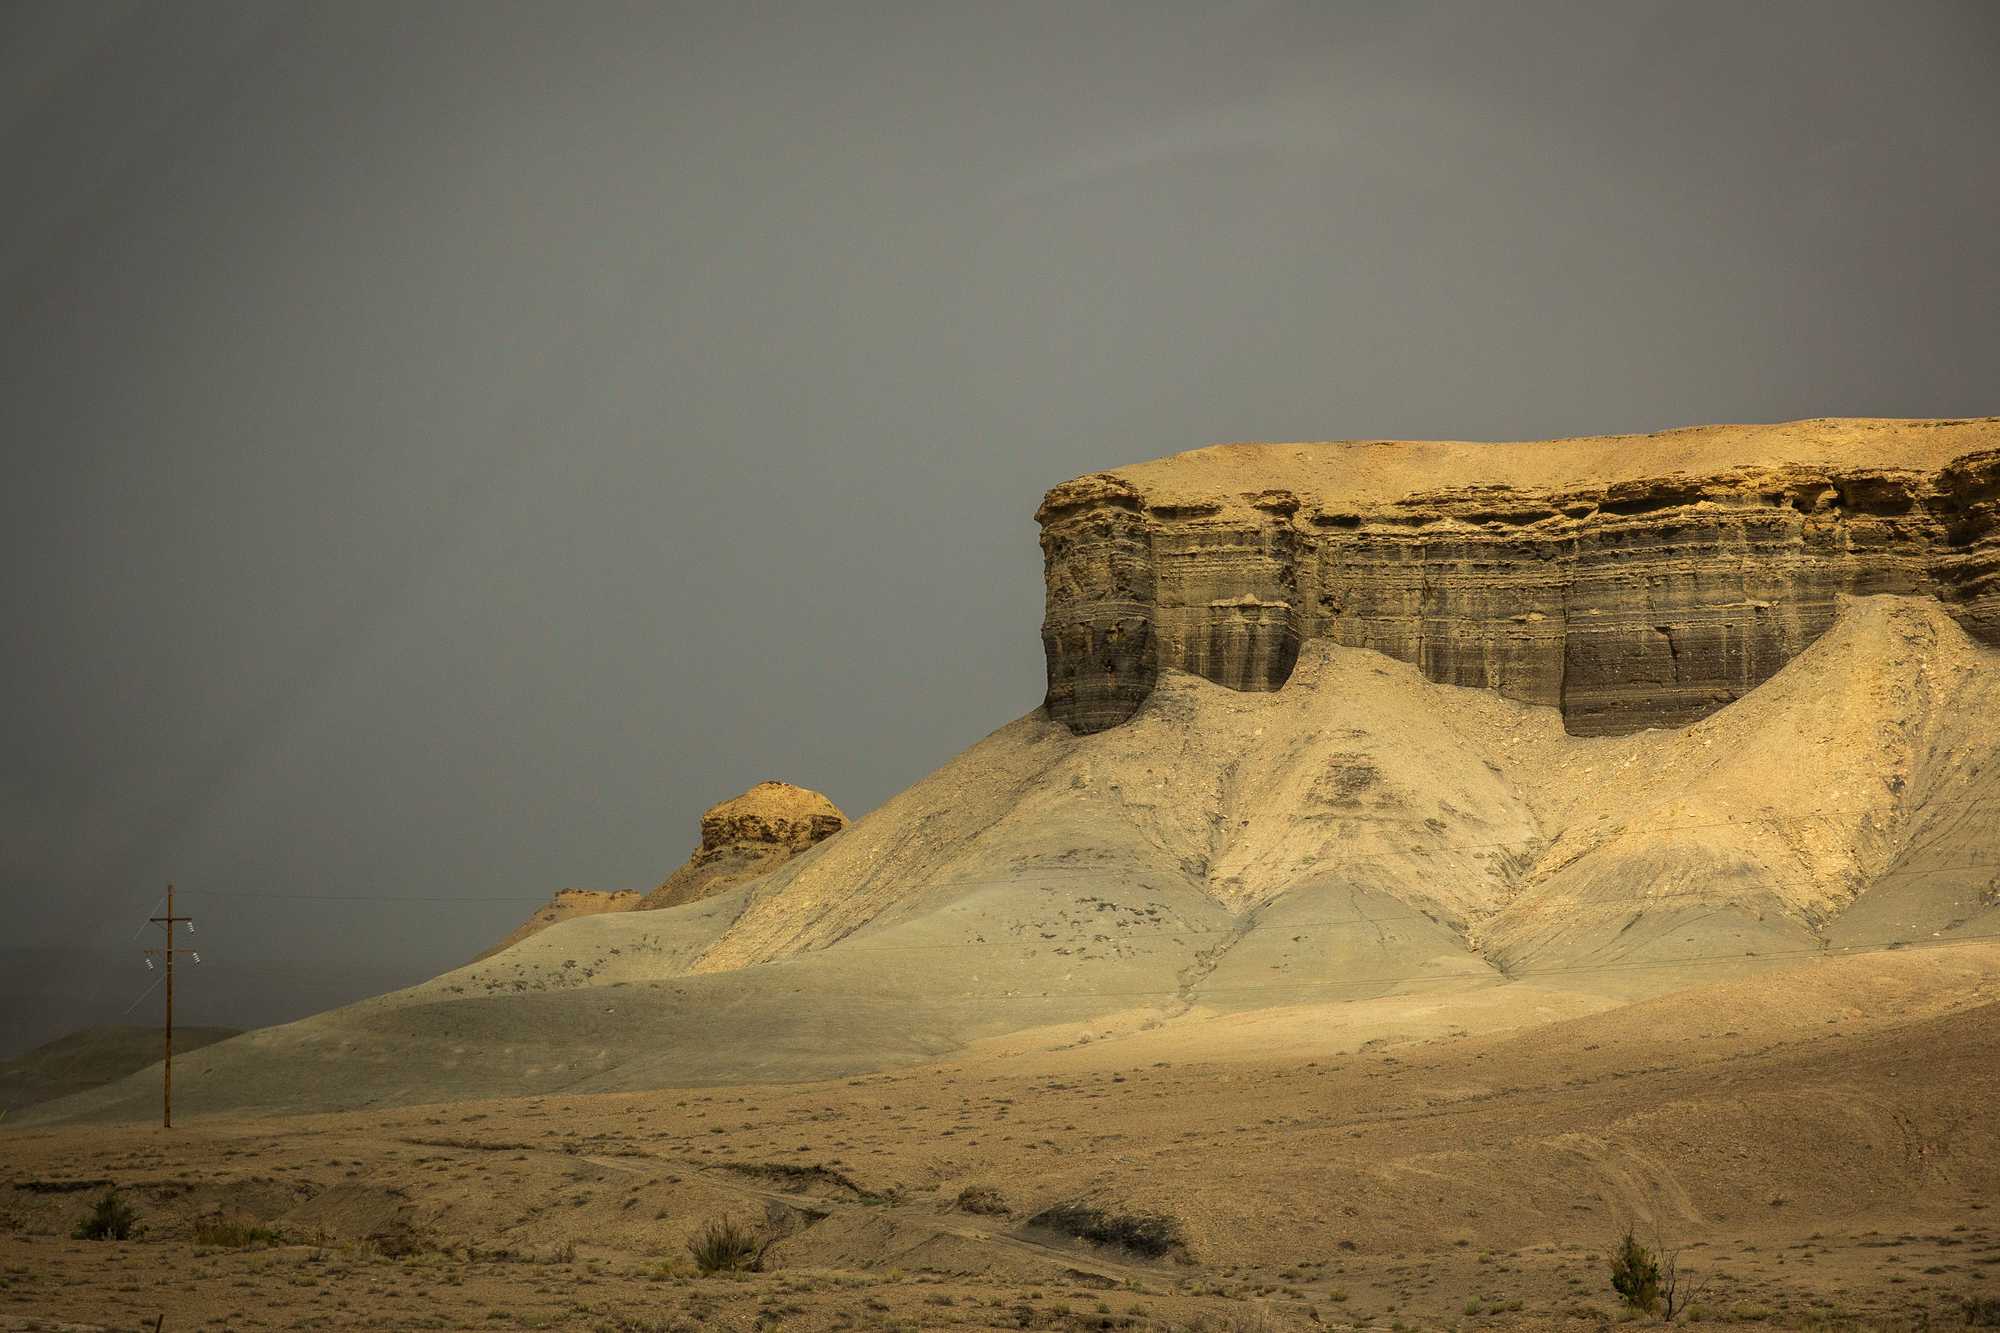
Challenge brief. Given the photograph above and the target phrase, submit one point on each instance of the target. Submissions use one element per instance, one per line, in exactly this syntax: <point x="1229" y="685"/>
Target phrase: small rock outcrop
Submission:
<point x="567" y="905"/>
<point x="1630" y="581"/>
<point x="748" y="836"/>
<point x="741" y="839"/>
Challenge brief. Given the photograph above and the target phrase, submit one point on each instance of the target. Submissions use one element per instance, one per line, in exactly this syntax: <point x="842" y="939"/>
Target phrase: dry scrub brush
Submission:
<point x="111" y="1218"/>
<point x="724" y="1246"/>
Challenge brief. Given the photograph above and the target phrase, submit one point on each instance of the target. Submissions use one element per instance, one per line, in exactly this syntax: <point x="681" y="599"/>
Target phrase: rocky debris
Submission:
<point x="1631" y="582"/>
<point x="567" y="905"/>
<point x="749" y="836"/>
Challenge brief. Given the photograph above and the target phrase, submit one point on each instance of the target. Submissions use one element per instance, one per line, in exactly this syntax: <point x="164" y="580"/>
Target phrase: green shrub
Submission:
<point x="110" y="1219"/>
<point x="724" y="1246"/>
<point x="1635" y="1275"/>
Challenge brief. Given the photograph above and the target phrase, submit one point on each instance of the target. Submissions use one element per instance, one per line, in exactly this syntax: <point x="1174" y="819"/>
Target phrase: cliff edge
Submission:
<point x="1629" y="581"/>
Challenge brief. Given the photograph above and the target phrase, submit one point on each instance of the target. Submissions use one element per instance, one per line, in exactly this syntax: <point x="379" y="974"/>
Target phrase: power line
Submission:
<point x="149" y="912"/>
<point x="142" y="995"/>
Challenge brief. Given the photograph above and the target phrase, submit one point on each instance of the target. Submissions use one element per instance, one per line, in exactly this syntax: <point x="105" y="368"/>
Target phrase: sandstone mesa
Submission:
<point x="1628" y="581"/>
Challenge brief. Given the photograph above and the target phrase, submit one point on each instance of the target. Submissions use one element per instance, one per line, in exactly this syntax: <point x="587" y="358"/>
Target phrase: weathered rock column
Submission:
<point x="1097" y="629"/>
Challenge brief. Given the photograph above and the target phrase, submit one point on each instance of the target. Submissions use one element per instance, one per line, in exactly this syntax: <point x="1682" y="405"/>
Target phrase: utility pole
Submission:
<point x="167" y="1084"/>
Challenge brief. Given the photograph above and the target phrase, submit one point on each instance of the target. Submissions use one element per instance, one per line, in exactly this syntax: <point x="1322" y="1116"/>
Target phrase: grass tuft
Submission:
<point x="724" y="1246"/>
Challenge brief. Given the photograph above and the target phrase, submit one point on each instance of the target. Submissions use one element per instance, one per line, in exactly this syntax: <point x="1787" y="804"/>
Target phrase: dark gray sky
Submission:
<point x="449" y="445"/>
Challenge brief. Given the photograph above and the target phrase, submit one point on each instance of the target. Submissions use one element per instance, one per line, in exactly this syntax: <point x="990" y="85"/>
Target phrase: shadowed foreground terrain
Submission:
<point x="1819" y="1140"/>
<point x="89" y="1059"/>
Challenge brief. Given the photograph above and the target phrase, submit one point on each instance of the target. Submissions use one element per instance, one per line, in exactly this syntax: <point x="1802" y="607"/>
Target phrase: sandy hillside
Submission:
<point x="1399" y="856"/>
<point x="90" y="1058"/>
<point x="568" y="905"/>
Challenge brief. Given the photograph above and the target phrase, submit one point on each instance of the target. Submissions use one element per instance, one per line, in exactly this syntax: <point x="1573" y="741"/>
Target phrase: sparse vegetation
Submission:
<point x="1150" y="1234"/>
<point x="1677" y="1293"/>
<point x="1242" y="1321"/>
<point x="111" y="1218"/>
<point x="1635" y="1275"/>
<point x="982" y="1199"/>
<point x="724" y="1246"/>
<point x="1650" y="1281"/>
<point x="797" y="1178"/>
<point x="232" y="1234"/>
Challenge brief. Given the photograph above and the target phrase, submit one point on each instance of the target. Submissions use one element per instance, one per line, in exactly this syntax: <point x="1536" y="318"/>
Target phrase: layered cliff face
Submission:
<point x="1631" y="582"/>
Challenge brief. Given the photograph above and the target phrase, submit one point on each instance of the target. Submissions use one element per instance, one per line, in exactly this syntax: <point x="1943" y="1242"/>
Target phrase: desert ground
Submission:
<point x="1817" y="1142"/>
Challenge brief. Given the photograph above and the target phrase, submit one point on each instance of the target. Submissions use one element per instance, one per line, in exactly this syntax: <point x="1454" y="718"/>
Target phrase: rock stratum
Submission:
<point x="1627" y="581"/>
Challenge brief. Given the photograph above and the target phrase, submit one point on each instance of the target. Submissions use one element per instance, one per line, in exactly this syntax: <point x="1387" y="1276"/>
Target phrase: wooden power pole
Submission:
<point x="167" y="1082"/>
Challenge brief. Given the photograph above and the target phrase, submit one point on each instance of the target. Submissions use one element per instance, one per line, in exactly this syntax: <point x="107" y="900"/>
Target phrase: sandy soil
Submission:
<point x="1819" y="1142"/>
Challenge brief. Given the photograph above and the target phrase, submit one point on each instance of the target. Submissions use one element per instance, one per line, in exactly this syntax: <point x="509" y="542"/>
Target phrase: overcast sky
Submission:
<point x="450" y="445"/>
